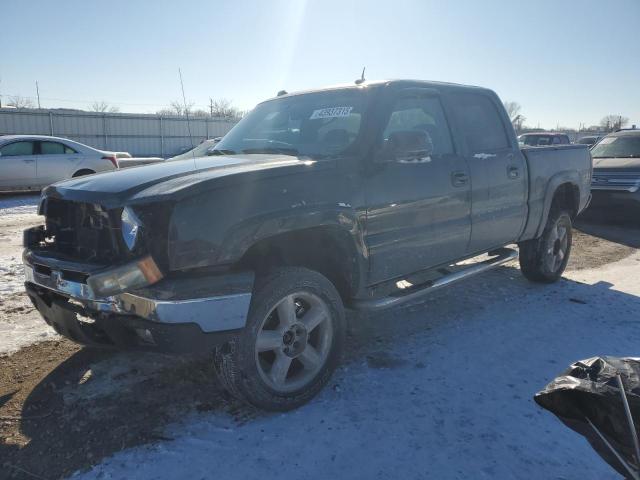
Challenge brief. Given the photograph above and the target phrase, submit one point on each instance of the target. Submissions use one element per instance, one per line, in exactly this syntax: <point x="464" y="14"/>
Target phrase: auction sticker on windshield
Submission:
<point x="333" y="112"/>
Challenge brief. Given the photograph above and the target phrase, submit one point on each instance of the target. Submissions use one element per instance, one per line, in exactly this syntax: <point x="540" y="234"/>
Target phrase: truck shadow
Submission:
<point x="69" y="431"/>
<point x="97" y="403"/>
<point x="622" y="231"/>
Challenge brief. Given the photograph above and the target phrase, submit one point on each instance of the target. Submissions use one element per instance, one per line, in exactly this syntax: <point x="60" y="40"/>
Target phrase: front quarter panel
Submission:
<point x="219" y="226"/>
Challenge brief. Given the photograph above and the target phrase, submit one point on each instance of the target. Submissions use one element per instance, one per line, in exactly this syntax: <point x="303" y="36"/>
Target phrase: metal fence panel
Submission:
<point x="140" y="135"/>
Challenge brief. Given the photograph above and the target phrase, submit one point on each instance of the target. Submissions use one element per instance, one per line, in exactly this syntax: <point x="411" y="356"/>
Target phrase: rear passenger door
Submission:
<point x="498" y="171"/>
<point x="18" y="166"/>
<point x="418" y="212"/>
<point x="56" y="161"/>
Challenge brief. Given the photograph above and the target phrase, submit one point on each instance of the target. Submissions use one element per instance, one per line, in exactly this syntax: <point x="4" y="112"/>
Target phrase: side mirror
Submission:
<point x="406" y="146"/>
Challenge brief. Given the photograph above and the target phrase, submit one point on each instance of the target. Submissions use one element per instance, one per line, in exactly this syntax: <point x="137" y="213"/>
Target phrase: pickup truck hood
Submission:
<point x="170" y="179"/>
<point x="631" y="164"/>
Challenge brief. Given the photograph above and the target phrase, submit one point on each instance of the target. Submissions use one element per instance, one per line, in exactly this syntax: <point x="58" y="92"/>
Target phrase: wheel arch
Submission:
<point x="563" y="190"/>
<point x="327" y="249"/>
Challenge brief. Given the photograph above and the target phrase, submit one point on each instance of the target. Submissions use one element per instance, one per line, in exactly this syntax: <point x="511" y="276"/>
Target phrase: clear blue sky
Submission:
<point x="566" y="62"/>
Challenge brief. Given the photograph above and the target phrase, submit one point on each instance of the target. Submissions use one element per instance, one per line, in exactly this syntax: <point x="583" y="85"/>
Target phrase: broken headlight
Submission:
<point x="131" y="226"/>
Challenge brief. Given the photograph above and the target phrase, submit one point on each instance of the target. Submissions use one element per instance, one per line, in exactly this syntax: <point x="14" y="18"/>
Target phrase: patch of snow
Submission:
<point x="447" y="392"/>
<point x="16" y="204"/>
<point x="11" y="274"/>
<point x="18" y="331"/>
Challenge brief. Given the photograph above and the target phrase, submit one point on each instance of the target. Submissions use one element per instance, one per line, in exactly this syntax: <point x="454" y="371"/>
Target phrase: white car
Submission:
<point x="31" y="162"/>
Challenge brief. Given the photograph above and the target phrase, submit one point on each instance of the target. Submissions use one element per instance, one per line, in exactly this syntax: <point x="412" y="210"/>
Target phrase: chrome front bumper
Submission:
<point x="214" y="303"/>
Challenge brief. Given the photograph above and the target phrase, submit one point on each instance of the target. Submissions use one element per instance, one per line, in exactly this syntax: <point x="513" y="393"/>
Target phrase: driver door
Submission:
<point x="418" y="212"/>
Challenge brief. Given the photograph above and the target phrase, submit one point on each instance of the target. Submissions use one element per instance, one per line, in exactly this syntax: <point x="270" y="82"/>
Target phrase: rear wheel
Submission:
<point x="83" y="172"/>
<point x="291" y="344"/>
<point x="544" y="259"/>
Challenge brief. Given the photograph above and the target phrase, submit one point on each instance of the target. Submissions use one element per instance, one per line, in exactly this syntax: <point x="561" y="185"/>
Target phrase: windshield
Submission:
<point x="201" y="150"/>
<point x="316" y="125"/>
<point x="624" y="146"/>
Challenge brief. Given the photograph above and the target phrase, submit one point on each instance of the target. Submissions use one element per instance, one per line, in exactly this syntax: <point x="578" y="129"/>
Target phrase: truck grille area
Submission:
<point x="81" y="231"/>
<point x="621" y="181"/>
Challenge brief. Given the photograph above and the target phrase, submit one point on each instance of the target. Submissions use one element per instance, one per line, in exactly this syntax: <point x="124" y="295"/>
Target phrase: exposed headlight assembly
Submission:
<point x="131" y="226"/>
<point x="130" y="276"/>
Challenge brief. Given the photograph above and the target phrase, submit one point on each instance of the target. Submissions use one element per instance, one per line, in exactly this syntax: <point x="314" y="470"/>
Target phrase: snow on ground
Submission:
<point x="21" y="330"/>
<point x="444" y="392"/>
<point x="16" y="213"/>
<point x="19" y="325"/>
<point x="18" y="204"/>
<point x="11" y="274"/>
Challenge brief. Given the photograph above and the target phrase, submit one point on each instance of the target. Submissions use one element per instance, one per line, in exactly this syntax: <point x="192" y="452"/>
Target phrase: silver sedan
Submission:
<point x="31" y="162"/>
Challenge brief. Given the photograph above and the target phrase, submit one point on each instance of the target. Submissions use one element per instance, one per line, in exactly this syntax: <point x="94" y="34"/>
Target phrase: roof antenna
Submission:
<point x="186" y="112"/>
<point x="361" y="79"/>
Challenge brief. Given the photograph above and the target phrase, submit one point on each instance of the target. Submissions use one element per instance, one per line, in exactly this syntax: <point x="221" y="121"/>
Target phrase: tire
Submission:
<point x="544" y="259"/>
<point x="292" y="342"/>
<point x="82" y="173"/>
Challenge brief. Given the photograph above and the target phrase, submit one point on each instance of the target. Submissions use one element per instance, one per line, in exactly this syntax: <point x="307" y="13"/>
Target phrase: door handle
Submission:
<point x="459" y="179"/>
<point x="513" y="172"/>
<point x="29" y="160"/>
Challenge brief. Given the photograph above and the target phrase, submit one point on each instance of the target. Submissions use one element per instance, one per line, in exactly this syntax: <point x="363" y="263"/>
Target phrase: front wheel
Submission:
<point x="544" y="259"/>
<point x="291" y="344"/>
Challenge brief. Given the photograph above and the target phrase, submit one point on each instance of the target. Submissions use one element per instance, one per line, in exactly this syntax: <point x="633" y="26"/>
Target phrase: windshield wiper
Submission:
<point x="617" y="156"/>
<point x="282" y="150"/>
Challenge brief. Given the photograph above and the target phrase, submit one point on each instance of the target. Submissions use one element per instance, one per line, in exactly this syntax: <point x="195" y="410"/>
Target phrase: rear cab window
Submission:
<point x="480" y="122"/>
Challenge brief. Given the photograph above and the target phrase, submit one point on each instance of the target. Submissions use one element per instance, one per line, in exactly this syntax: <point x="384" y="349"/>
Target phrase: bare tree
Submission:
<point x="178" y="108"/>
<point x="223" y="108"/>
<point x="103" y="107"/>
<point x="513" y="110"/>
<point x="612" y="123"/>
<point x="20" y="102"/>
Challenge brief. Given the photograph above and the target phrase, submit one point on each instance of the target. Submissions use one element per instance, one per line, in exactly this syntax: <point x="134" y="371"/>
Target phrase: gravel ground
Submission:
<point x="64" y="408"/>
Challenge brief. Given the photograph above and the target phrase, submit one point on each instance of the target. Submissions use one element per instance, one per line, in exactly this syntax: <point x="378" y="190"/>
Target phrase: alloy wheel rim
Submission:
<point x="557" y="246"/>
<point x="293" y="342"/>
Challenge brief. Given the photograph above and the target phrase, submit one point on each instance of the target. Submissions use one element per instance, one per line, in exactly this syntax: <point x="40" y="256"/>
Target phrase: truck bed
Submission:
<point x="545" y="175"/>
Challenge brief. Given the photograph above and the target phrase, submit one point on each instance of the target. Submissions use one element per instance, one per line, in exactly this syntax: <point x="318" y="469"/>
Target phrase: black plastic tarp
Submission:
<point x="589" y="391"/>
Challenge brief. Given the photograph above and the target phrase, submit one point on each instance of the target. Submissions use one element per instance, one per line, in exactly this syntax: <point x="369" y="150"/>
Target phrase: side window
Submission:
<point x="17" y="148"/>
<point x="51" y="148"/>
<point x="557" y="140"/>
<point x="420" y="114"/>
<point x="69" y="150"/>
<point x="480" y="122"/>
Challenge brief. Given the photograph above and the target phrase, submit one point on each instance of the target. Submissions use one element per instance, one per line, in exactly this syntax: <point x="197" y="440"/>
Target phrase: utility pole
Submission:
<point x="38" y="94"/>
<point x="211" y="107"/>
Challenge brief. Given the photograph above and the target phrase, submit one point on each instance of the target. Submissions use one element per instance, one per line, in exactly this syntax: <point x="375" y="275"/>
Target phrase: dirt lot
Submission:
<point x="64" y="408"/>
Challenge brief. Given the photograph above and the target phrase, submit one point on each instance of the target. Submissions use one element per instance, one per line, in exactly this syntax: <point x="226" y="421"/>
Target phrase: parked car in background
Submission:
<point x="543" y="139"/>
<point x="590" y="140"/>
<point x="616" y="173"/>
<point x="138" y="161"/>
<point x="202" y="150"/>
<point x="363" y="195"/>
<point x="126" y="160"/>
<point x="31" y="162"/>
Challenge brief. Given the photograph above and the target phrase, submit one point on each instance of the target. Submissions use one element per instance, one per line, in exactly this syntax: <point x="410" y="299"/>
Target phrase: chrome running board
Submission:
<point x="498" y="257"/>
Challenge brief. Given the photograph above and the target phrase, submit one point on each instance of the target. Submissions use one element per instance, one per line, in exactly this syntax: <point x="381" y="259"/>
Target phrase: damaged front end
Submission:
<point x="100" y="277"/>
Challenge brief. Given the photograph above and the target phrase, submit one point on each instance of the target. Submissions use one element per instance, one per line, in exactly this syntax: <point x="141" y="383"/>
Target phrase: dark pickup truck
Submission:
<point x="362" y="196"/>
